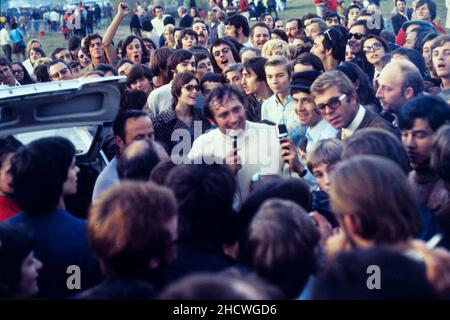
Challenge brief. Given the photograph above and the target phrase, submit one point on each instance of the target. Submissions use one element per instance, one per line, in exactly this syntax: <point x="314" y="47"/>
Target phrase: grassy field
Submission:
<point x="295" y="8"/>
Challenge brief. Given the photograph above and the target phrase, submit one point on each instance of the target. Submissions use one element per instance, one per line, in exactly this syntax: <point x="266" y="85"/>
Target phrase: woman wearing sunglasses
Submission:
<point x="375" y="48"/>
<point x="181" y="123"/>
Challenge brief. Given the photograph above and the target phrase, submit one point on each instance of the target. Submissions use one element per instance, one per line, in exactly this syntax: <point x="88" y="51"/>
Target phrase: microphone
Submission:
<point x="234" y="134"/>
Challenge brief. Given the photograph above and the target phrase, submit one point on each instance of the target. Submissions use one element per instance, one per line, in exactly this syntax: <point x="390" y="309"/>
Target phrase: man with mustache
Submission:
<point x="201" y="28"/>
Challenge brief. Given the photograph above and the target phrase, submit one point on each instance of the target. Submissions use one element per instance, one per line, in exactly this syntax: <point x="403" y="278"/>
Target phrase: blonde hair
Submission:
<point x="274" y="44"/>
<point x="279" y="61"/>
<point x="326" y="151"/>
<point x="43" y="60"/>
<point x="30" y="45"/>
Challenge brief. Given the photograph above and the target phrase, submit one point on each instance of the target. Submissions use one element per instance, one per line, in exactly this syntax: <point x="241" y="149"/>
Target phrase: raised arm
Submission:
<point x="122" y="11"/>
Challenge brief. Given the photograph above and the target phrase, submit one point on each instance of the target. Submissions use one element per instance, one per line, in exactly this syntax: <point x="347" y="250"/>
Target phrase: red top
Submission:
<point x="332" y="5"/>
<point x="8" y="208"/>
<point x="401" y="36"/>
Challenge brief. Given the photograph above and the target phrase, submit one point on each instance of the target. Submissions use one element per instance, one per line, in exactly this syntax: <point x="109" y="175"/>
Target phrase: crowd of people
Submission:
<point x="266" y="160"/>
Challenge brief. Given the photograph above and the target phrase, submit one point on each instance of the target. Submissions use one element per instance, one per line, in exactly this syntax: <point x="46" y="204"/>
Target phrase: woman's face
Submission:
<point x="269" y="21"/>
<point x="84" y="59"/>
<point x="29" y="270"/>
<point x="169" y="36"/>
<point x="189" y="93"/>
<point x="277" y="51"/>
<point x="34" y="55"/>
<point x="70" y="185"/>
<point x="193" y="13"/>
<point x="134" y="51"/>
<point x="353" y="15"/>
<point x="374" y="50"/>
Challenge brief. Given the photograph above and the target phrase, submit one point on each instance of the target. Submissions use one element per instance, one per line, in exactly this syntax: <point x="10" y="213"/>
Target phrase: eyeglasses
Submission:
<point x="327" y="32"/>
<point x="61" y="73"/>
<point x="375" y="46"/>
<point x="191" y="87"/>
<point x="333" y="104"/>
<point x="357" y="35"/>
<point x="224" y="51"/>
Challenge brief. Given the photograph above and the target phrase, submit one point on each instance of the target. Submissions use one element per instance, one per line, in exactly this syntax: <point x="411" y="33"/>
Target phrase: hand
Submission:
<point x="336" y="244"/>
<point x="437" y="261"/>
<point x="290" y="155"/>
<point x="233" y="160"/>
<point x="123" y="9"/>
<point x="325" y="228"/>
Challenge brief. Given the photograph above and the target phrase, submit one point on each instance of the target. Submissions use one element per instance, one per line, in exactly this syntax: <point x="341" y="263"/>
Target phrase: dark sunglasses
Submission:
<point x="358" y="36"/>
<point x="374" y="47"/>
<point x="333" y="104"/>
<point x="191" y="88"/>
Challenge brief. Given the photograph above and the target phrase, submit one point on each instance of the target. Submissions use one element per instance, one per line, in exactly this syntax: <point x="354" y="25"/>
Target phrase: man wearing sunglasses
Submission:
<point x="329" y="46"/>
<point x="59" y="70"/>
<point x="337" y="101"/>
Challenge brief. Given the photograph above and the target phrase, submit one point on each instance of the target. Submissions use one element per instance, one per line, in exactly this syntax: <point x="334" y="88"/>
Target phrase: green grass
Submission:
<point x="295" y="9"/>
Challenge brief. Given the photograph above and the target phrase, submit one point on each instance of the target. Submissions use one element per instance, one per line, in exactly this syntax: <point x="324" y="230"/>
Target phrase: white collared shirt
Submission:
<point x="322" y="130"/>
<point x="347" y="132"/>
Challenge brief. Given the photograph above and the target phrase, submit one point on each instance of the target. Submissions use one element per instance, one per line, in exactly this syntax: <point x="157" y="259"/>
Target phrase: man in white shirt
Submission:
<point x="280" y="108"/>
<point x="5" y="41"/>
<point x="246" y="147"/>
<point x="158" y="21"/>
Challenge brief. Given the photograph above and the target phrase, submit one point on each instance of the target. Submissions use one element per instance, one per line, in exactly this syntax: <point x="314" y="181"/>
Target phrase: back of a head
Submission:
<point x="434" y="109"/>
<point x="205" y="196"/>
<point x="349" y="275"/>
<point x="15" y="246"/>
<point x="128" y="226"/>
<point x="206" y="286"/>
<point x="374" y="141"/>
<point x="288" y="189"/>
<point x="375" y="191"/>
<point x="138" y="161"/>
<point x="39" y="171"/>
<point x="280" y="245"/>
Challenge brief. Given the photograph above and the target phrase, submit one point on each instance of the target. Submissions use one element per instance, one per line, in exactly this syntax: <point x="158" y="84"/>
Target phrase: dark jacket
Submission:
<point x="373" y="120"/>
<point x="186" y="21"/>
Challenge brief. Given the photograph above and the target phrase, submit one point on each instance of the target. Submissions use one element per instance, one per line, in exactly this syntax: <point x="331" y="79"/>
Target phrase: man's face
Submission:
<point x="159" y="13"/>
<point x="124" y="69"/>
<point x="202" y="33"/>
<point x="59" y="71"/>
<point x="417" y="142"/>
<point x="96" y="49"/>
<point x="401" y="6"/>
<point x="260" y="36"/>
<point x="223" y="55"/>
<point x="278" y="79"/>
<point x="441" y="60"/>
<point x="6" y="76"/>
<point x="357" y="39"/>
<point x="323" y="174"/>
<point x="318" y="49"/>
<point x="353" y="15"/>
<point x="231" y="31"/>
<point x="332" y="21"/>
<point x="186" y="66"/>
<point x="305" y="109"/>
<point x="5" y="175"/>
<point x="312" y="30"/>
<point x="228" y="114"/>
<point x="138" y="129"/>
<point x="17" y="72"/>
<point x="423" y="13"/>
<point x="249" y="81"/>
<point x="234" y="78"/>
<point x="64" y="55"/>
<point x="390" y="89"/>
<point x="292" y="29"/>
<point x="279" y="25"/>
<point x="343" y="112"/>
<point x="212" y="16"/>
